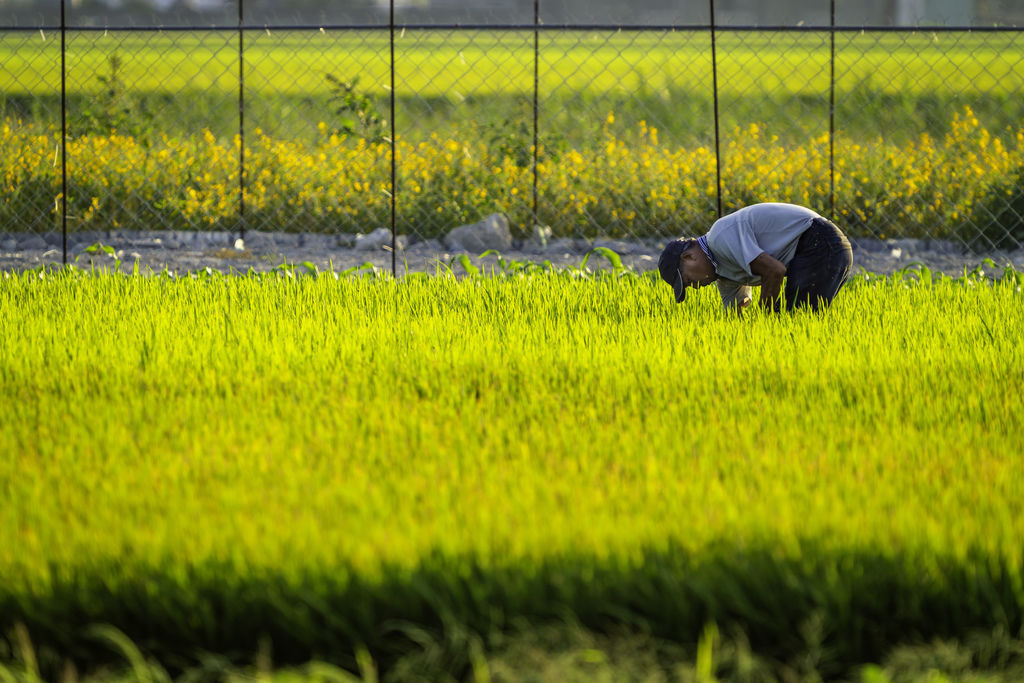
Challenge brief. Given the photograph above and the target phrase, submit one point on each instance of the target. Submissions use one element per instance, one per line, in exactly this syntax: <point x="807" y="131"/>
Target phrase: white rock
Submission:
<point x="538" y="242"/>
<point x="541" y="234"/>
<point x="490" y="233"/>
<point x="374" y="241"/>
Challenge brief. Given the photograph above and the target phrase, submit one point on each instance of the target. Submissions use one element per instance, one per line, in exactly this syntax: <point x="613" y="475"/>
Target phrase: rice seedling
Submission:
<point x="349" y="467"/>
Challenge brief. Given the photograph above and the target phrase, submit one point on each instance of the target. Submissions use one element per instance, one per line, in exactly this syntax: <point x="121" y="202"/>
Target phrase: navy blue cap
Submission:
<point x="668" y="266"/>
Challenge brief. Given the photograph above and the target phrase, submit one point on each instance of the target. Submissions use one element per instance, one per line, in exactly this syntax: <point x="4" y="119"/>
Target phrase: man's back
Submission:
<point x="737" y="239"/>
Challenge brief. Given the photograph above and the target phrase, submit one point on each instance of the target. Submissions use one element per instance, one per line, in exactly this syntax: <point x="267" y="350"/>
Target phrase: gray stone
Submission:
<point x="375" y="241"/>
<point x="430" y="246"/>
<point x="320" y="242"/>
<point x="172" y="241"/>
<point x="9" y="244"/>
<point x="31" y="243"/>
<point x="209" y="238"/>
<point x="490" y="233"/>
<point x="346" y="240"/>
<point x="146" y="239"/>
<point x="256" y="239"/>
<point x="288" y="240"/>
<point x="869" y="244"/>
<point x="193" y="239"/>
<point x="85" y="238"/>
<point x="181" y="240"/>
<point x="946" y="247"/>
<point x="562" y="245"/>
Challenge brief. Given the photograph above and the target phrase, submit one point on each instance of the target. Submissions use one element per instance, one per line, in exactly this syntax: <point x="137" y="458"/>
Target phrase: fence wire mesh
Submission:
<point x="273" y="131"/>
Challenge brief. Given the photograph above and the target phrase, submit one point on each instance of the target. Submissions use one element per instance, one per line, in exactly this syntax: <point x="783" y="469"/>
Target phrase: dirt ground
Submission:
<point x="156" y="251"/>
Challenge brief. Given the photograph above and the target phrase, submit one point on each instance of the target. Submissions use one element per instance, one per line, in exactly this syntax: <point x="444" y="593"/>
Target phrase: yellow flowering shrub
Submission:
<point x="640" y="186"/>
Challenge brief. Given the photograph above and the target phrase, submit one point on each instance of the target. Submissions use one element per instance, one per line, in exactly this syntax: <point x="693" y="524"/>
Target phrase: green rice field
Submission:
<point x="528" y="475"/>
<point x="896" y="84"/>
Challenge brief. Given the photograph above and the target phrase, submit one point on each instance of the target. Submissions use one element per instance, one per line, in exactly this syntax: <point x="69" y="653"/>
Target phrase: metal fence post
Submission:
<point x="714" y="87"/>
<point x="832" y="113"/>
<point x="63" y="132"/>
<point x="241" y="121"/>
<point x="536" y="105"/>
<point x="394" y="173"/>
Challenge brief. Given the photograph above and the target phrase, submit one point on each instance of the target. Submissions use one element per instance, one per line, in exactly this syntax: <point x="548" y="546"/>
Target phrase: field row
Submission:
<point x="488" y="62"/>
<point x="333" y="464"/>
<point x="176" y="83"/>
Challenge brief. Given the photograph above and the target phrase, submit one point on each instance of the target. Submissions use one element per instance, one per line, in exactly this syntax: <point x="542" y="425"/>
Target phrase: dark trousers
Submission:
<point x="820" y="266"/>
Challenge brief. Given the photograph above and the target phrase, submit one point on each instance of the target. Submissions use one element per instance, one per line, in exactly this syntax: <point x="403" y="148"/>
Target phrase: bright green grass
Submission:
<point x="202" y="462"/>
<point x="432" y="62"/>
<point x="899" y="85"/>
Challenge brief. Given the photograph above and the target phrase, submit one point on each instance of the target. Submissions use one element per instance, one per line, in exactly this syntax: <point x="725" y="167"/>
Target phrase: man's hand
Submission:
<point x="771" y="271"/>
<point x="737" y="305"/>
<point x="742" y="303"/>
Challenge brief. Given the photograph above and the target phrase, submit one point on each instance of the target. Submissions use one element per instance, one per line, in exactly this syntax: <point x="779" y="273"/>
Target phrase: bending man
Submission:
<point x="763" y="244"/>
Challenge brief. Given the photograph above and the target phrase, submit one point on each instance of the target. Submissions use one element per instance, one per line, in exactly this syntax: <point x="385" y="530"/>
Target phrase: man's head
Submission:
<point x="684" y="264"/>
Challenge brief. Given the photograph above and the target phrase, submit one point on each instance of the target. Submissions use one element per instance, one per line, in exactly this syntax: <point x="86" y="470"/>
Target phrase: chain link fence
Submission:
<point x="268" y="132"/>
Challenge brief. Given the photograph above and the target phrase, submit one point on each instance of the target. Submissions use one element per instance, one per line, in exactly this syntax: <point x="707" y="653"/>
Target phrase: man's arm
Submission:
<point x="771" y="271"/>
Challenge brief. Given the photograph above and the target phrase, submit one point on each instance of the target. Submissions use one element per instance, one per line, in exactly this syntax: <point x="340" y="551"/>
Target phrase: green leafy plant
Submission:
<point x="99" y="253"/>
<point x="513" y="139"/>
<point x="115" y="109"/>
<point x="355" y="113"/>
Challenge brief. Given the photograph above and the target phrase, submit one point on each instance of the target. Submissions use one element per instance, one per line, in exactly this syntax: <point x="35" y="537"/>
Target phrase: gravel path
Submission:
<point x="184" y="252"/>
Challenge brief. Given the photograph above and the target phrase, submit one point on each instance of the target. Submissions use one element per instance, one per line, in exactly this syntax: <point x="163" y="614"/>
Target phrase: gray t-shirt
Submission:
<point x="739" y="238"/>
